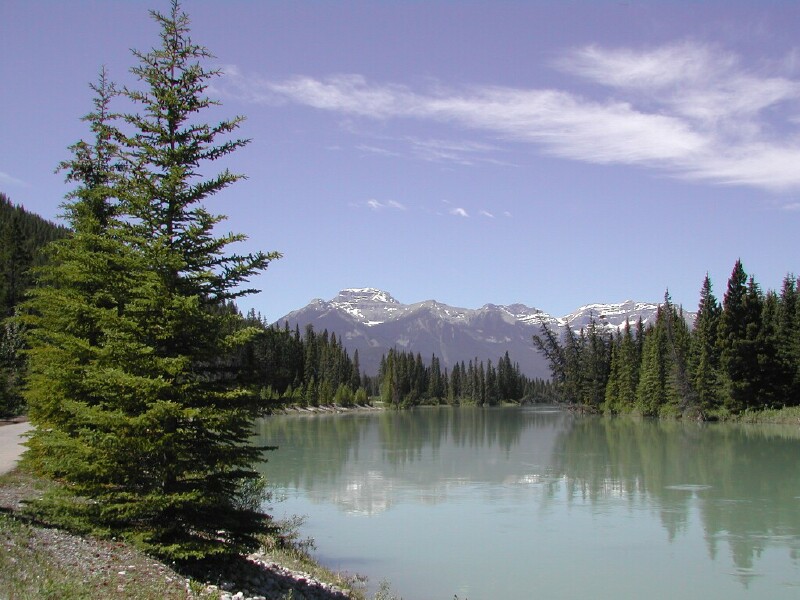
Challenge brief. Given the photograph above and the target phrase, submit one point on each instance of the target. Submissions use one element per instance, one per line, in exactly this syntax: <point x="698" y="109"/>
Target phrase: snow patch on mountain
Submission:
<point x="373" y="321"/>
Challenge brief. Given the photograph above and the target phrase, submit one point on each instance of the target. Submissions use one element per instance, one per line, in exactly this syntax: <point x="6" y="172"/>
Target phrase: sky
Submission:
<point x="550" y="153"/>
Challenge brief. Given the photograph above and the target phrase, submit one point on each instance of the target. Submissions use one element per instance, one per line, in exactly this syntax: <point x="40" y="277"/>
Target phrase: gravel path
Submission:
<point x="11" y="447"/>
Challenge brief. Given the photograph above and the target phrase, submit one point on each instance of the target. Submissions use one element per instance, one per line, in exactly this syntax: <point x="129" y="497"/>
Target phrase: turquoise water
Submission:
<point x="522" y="503"/>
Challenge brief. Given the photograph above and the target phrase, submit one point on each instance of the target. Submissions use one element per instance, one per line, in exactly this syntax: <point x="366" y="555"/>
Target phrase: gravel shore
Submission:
<point x="110" y="568"/>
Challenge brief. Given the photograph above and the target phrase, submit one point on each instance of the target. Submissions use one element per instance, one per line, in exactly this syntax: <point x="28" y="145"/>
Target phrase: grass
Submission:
<point x="789" y="415"/>
<point x="33" y="567"/>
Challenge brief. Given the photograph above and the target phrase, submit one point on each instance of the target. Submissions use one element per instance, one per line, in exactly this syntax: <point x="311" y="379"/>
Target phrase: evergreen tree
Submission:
<point x="611" y="400"/>
<point x="680" y="393"/>
<point x="629" y="367"/>
<point x="131" y="389"/>
<point x="651" y="392"/>
<point x="663" y="386"/>
<point x="15" y="260"/>
<point x="454" y="388"/>
<point x="735" y="350"/>
<point x="705" y="355"/>
<point x="549" y="346"/>
<point x="11" y="367"/>
<point x="597" y="361"/>
<point x="22" y="237"/>
<point x="574" y="373"/>
<point x="775" y="369"/>
<point x="355" y="377"/>
<point x="436" y="381"/>
<point x="789" y="337"/>
<point x="492" y="388"/>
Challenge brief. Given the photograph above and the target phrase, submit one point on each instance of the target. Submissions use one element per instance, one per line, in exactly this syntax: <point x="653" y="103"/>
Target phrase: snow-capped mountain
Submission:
<point x="372" y="321"/>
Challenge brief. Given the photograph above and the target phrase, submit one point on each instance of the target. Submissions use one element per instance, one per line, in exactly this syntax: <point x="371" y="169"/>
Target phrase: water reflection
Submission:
<point x="365" y="462"/>
<point x="738" y="485"/>
<point x="743" y="479"/>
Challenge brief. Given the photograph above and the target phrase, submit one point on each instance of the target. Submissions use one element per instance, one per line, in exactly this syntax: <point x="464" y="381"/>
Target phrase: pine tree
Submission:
<point x="132" y="389"/>
<point x="705" y="355"/>
<point x="611" y="400"/>
<point x="629" y="368"/>
<point x="680" y="393"/>
<point x="775" y="369"/>
<point x="789" y="338"/>
<point x="596" y="364"/>
<point x="732" y="340"/>
<point x="651" y="392"/>
<point x="11" y="367"/>
<point x="14" y="262"/>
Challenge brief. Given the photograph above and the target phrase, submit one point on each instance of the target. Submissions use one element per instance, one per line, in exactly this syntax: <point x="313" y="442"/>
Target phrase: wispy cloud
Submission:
<point x="487" y="214"/>
<point x="377" y="150"/>
<point x="467" y="153"/>
<point x="386" y="204"/>
<point x="6" y="179"/>
<point x="459" y="212"/>
<point x="792" y="206"/>
<point x="689" y="109"/>
<point x="444" y="151"/>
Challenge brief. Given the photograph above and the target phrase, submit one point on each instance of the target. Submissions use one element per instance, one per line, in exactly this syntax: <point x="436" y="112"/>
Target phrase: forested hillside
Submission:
<point x="22" y="238"/>
<point x="743" y="353"/>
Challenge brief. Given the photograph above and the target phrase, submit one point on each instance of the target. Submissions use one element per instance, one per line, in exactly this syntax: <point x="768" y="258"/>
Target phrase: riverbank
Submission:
<point x="41" y="561"/>
<point x="788" y="415"/>
<point x="323" y="409"/>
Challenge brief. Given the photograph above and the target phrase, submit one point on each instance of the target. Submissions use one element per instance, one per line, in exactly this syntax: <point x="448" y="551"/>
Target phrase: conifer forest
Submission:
<point x="741" y="354"/>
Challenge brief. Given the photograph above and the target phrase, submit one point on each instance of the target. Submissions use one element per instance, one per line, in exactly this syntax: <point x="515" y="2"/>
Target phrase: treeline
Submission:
<point x="310" y="369"/>
<point x="313" y="369"/>
<point x="404" y="380"/>
<point x="742" y="353"/>
<point x="22" y="237"/>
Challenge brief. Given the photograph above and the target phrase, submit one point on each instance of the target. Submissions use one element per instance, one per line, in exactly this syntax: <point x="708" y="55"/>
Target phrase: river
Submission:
<point x="522" y="503"/>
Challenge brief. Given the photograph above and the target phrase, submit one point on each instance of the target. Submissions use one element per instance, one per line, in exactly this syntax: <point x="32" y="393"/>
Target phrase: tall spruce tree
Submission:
<point x="651" y="391"/>
<point x="732" y="340"/>
<point x="775" y="369"/>
<point x="789" y="337"/>
<point x="705" y="359"/>
<point x="131" y="389"/>
<point x="620" y="394"/>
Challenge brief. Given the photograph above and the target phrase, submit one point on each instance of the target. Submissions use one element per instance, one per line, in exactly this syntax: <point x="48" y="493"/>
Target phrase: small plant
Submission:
<point x="385" y="592"/>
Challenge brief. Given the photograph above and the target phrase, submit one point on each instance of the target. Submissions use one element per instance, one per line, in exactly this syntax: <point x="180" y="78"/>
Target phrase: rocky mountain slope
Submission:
<point x="372" y="321"/>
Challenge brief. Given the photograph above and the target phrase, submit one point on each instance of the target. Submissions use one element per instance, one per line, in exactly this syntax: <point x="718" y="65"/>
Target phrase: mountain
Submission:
<point x="372" y="321"/>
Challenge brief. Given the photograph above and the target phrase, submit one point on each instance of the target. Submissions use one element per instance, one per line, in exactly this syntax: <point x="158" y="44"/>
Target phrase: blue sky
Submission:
<point x="549" y="153"/>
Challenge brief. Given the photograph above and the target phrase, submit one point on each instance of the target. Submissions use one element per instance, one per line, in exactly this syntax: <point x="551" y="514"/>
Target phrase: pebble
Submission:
<point x="272" y="580"/>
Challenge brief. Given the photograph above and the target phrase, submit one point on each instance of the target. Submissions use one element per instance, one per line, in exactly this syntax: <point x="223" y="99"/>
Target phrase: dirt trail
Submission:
<point x="11" y="447"/>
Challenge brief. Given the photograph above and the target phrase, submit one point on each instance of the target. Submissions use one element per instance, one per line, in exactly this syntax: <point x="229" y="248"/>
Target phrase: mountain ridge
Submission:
<point x="373" y="321"/>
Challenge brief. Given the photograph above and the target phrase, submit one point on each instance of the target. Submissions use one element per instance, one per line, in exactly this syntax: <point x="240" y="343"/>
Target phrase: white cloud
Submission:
<point x="376" y="150"/>
<point x="460" y="152"/>
<point x="792" y="206"/>
<point x="486" y="213"/>
<point x="459" y="212"/>
<point x="390" y="204"/>
<point x="6" y="179"/>
<point x="690" y="109"/>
